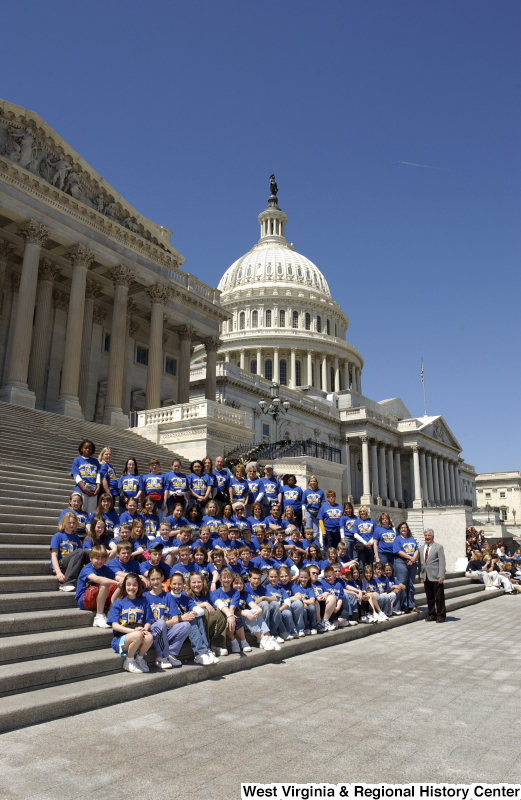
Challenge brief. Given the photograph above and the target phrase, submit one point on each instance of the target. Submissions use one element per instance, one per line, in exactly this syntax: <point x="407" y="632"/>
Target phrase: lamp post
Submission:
<point x="514" y="515"/>
<point x="487" y="509"/>
<point x="276" y="407"/>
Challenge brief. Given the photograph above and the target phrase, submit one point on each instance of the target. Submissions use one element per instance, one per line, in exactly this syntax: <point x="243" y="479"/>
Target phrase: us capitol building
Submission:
<point x="99" y="321"/>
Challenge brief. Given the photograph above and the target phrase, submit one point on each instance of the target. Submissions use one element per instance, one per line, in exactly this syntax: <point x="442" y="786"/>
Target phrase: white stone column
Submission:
<point x="113" y="414"/>
<point x="276" y="374"/>
<point x="441" y="473"/>
<point x="417" y="502"/>
<point x="435" y="479"/>
<point x="41" y="330"/>
<point x="92" y="292"/>
<point x="310" y="368"/>
<point x="227" y="357"/>
<point x="346" y="374"/>
<point x="452" y="484"/>
<point x="10" y="316"/>
<point x="185" y="333"/>
<point x="382" y="471"/>
<point x="348" y="492"/>
<point x="6" y="250"/>
<point x="242" y="362"/>
<point x="457" y="477"/>
<point x="423" y="472"/>
<point x="447" y="482"/>
<point x="68" y="402"/>
<point x="211" y="346"/>
<point x="366" y="497"/>
<point x="324" y="374"/>
<point x="398" y="477"/>
<point x="337" y="375"/>
<point x="430" y="486"/>
<point x="158" y="295"/>
<point x="390" y="473"/>
<point x="374" y="463"/>
<point x="260" y="366"/>
<point x="131" y="310"/>
<point x="293" y="369"/>
<point x="16" y="389"/>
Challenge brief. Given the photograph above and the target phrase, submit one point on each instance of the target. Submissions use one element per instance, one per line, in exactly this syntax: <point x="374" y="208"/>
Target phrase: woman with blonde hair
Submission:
<point x="384" y="537"/>
<point x="312" y="499"/>
<point x="363" y="530"/>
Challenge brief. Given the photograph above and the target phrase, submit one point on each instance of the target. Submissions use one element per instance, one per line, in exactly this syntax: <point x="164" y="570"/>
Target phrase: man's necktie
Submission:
<point x="426" y="554"/>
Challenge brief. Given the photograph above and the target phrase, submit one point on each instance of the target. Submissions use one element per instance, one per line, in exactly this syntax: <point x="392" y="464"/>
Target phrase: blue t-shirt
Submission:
<point x="304" y="544"/>
<point x="224" y="545"/>
<point x="257" y="525"/>
<point x="254" y="488"/>
<point x="291" y="588"/>
<point x="317" y="588"/>
<point x="154" y="484"/>
<point x="336" y="588"/>
<point x="146" y="566"/>
<point x="241" y="490"/>
<point x="270" y="487"/>
<point x="384" y="538"/>
<point x="229" y="598"/>
<point x="347" y="523"/>
<point x="184" y="569"/>
<point x="262" y="564"/>
<point x="130" y="485"/>
<point x="142" y="542"/>
<point x="198" y="484"/>
<point x="185" y="603"/>
<point x="280" y="522"/>
<point x="116" y="566"/>
<point x="151" y="524"/>
<point x="369" y="586"/>
<point x="241" y="523"/>
<point x="107" y="472"/>
<point x="87" y="469"/>
<point x="212" y="522"/>
<point x="282" y="562"/>
<point x="257" y="593"/>
<point x="88" y="542"/>
<point x="365" y="528"/>
<point x="167" y="543"/>
<point x="82" y="518"/>
<point x="65" y="543"/>
<point x="277" y="592"/>
<point x="176" y="482"/>
<point x="111" y="521"/>
<point x="163" y="606"/>
<point x="84" y="581"/>
<point x="330" y="516"/>
<point x="305" y="591"/>
<point x="382" y="584"/>
<point x="292" y="496"/>
<point x="313" y="498"/>
<point x="126" y="517"/>
<point x="408" y="546"/>
<point x="132" y="613"/>
<point x="176" y="524"/>
<point x="207" y="545"/>
<point x="222" y="478"/>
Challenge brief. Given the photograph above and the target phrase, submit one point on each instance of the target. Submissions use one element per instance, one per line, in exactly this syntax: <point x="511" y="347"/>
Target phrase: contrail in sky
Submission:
<point x="411" y="164"/>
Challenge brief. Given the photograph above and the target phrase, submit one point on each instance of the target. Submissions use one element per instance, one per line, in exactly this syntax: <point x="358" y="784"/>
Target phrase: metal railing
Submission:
<point x="284" y="449"/>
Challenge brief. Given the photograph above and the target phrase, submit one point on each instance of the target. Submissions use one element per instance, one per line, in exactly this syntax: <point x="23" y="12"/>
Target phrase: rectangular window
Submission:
<point x="106" y="343"/>
<point x="265" y="432"/>
<point x="142" y="355"/>
<point x="488" y="495"/>
<point x="502" y="494"/>
<point x="171" y="366"/>
<point x="504" y="514"/>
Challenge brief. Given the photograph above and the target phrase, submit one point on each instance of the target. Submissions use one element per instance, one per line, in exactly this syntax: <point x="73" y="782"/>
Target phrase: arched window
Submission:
<point x="242" y="321"/>
<point x="295" y="319"/>
<point x="328" y="328"/>
<point x="298" y="373"/>
<point x="268" y="369"/>
<point x="319" y="324"/>
<point x="332" y="378"/>
<point x="283" y="369"/>
<point x="308" y="321"/>
<point x="268" y="318"/>
<point x="282" y="318"/>
<point x="253" y="367"/>
<point x="255" y="319"/>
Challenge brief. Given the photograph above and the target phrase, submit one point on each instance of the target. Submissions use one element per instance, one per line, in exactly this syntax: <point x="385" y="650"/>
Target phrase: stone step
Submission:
<point x="24" y="551"/>
<point x="51" y="643"/>
<point x="12" y="567"/>
<point x="29" y="583"/>
<point x="55" y="619"/>
<point x="451" y="593"/>
<point x="73" y="697"/>
<point x="25" y="538"/>
<point x="36" y="601"/>
<point x="30" y="503"/>
<point x="27" y="527"/>
<point x="37" y="483"/>
<point x="34" y="519"/>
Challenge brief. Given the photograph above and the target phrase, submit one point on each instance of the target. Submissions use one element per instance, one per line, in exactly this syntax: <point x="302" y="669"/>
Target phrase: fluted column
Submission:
<point x="390" y="474"/>
<point x="447" y="482"/>
<point x="185" y="333"/>
<point x="212" y="345"/>
<point x="41" y="330"/>
<point x="423" y="471"/>
<point x="441" y="474"/>
<point x="122" y="277"/>
<point x="16" y="389"/>
<point x="68" y="402"/>
<point x="366" y="497"/>
<point x="382" y="471"/>
<point x="430" y="485"/>
<point x="92" y="292"/>
<point x="337" y="375"/>
<point x="435" y="479"/>
<point x="260" y="366"/>
<point x="276" y="375"/>
<point x="374" y="463"/>
<point x="6" y="250"/>
<point x="324" y="374"/>
<point x="242" y="359"/>
<point x="452" y="484"/>
<point x="293" y="369"/>
<point x="346" y="374"/>
<point x="158" y="296"/>
<point x="417" y="502"/>
<point x="398" y="476"/>
<point x="457" y="478"/>
<point x="310" y="368"/>
<point x="10" y="315"/>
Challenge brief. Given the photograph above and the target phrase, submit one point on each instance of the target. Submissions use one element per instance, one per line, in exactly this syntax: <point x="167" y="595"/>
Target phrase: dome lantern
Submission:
<point x="273" y="219"/>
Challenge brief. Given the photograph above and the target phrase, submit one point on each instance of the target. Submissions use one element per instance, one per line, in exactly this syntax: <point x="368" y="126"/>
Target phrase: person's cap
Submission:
<point x="158" y="547"/>
<point x="345" y="570"/>
<point x="268" y="466"/>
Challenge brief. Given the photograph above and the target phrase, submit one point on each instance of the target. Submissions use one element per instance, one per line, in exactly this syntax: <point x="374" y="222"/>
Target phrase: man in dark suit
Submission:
<point x="432" y="575"/>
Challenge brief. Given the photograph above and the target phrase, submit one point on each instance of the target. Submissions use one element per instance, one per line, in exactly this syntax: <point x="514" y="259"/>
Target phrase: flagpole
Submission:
<point x="424" y="396"/>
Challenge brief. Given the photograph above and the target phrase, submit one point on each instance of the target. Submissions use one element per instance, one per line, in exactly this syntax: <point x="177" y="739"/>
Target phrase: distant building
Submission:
<point x="501" y="490"/>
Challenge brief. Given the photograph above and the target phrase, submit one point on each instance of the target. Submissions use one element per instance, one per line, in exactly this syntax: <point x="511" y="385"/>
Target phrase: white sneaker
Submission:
<point x="220" y="651"/>
<point x="382" y="617"/>
<point x="330" y="626"/>
<point x="279" y="639"/>
<point x="276" y="645"/>
<point x="342" y="623"/>
<point x="142" y="664"/>
<point x="131" y="666"/>
<point x="203" y="659"/>
<point x="287" y="636"/>
<point x="100" y="621"/>
<point x="213" y="658"/>
<point x="163" y="663"/>
<point x="353" y="622"/>
<point x="235" y="646"/>
<point x="313" y="631"/>
<point x="301" y="634"/>
<point x="175" y="661"/>
<point x="245" y="647"/>
<point x="267" y="643"/>
<point x="365" y="619"/>
<point x="398" y="613"/>
<point x="67" y="587"/>
<point x="307" y="632"/>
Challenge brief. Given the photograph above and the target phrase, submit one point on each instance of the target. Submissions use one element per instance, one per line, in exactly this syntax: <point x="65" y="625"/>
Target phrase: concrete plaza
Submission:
<point x="423" y="702"/>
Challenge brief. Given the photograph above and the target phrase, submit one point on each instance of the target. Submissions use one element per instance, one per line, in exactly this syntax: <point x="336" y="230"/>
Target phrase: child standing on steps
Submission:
<point x="84" y="470"/>
<point x="131" y="618"/>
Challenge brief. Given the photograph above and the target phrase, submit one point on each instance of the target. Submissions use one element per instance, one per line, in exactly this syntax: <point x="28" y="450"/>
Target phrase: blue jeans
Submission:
<point x="256" y="626"/>
<point x="272" y="617"/>
<point x="311" y="521"/>
<point x="310" y="617"/>
<point x="332" y="538"/>
<point x="350" y="544"/>
<point x="348" y="609"/>
<point x="365" y="556"/>
<point x="197" y="635"/>
<point x="297" y="612"/>
<point x="386" y="558"/>
<point x="406" y="575"/>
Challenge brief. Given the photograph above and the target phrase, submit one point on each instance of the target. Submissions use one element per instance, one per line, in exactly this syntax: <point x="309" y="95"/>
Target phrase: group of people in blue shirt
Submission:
<point x="207" y="555"/>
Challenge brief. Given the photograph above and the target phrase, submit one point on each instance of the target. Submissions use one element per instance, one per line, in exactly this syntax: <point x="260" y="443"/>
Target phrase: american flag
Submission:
<point x="422" y="373"/>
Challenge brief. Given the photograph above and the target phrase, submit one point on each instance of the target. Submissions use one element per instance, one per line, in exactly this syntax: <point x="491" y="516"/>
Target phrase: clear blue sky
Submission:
<point x="187" y="108"/>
